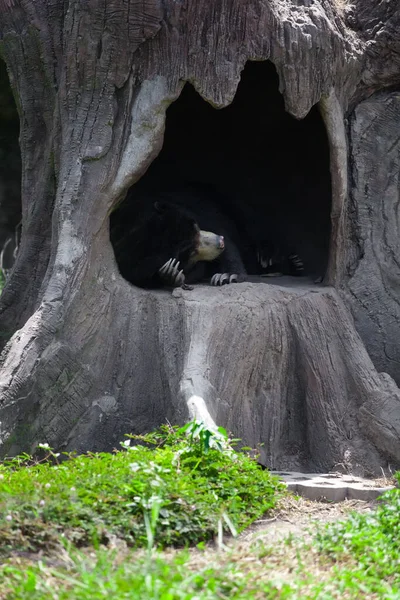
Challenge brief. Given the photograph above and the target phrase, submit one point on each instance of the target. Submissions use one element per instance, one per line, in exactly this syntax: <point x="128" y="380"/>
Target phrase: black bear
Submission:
<point x="164" y="245"/>
<point x="265" y="249"/>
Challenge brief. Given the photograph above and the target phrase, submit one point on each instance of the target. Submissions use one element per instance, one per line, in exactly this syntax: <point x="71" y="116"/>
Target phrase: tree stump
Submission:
<point x="88" y="357"/>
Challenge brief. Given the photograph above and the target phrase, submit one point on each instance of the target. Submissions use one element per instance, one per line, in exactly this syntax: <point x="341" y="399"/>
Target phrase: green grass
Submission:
<point x="337" y="563"/>
<point x="180" y="491"/>
<point x="372" y="541"/>
<point x="159" y="579"/>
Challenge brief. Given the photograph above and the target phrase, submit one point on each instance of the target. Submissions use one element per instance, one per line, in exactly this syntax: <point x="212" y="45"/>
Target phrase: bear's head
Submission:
<point x="190" y="243"/>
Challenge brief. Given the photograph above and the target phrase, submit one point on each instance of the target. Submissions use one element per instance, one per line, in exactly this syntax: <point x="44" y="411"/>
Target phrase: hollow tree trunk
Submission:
<point x="90" y="356"/>
<point x="10" y="174"/>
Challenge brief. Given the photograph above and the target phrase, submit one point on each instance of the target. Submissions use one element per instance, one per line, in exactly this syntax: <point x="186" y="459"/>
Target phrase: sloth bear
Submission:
<point x="166" y="244"/>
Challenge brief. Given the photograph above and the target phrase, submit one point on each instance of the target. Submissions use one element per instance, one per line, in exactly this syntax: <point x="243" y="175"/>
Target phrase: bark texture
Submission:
<point x="374" y="271"/>
<point x="91" y="357"/>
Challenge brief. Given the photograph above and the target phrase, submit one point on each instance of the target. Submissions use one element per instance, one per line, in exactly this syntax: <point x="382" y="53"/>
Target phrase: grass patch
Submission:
<point x="179" y="491"/>
<point x="97" y="579"/>
<point x="371" y="541"/>
<point x="319" y="569"/>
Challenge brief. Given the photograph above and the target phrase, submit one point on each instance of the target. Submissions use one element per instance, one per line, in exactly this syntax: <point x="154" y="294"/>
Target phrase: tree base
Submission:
<point x="279" y="364"/>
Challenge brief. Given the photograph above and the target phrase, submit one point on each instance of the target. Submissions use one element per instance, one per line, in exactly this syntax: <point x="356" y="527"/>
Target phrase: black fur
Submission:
<point x="202" y="206"/>
<point x="147" y="234"/>
<point x="143" y="246"/>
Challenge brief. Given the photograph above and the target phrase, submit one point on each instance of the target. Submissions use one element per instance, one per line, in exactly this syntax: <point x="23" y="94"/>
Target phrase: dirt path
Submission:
<point x="298" y="516"/>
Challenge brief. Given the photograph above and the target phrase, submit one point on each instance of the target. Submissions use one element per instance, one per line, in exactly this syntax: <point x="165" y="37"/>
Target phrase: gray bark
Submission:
<point x="92" y="357"/>
<point x="373" y="282"/>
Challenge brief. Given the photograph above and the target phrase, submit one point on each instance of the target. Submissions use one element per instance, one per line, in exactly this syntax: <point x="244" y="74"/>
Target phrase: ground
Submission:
<point x="295" y="515"/>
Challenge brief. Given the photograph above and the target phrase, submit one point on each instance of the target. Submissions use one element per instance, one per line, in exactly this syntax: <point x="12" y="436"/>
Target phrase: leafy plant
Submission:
<point x="204" y="439"/>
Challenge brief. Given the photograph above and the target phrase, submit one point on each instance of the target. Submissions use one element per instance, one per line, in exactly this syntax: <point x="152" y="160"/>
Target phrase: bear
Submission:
<point x="265" y="248"/>
<point x="275" y="260"/>
<point x="165" y="246"/>
<point x="202" y="205"/>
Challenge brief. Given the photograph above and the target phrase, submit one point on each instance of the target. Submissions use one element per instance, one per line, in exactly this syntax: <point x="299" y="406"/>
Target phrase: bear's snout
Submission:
<point x="221" y="242"/>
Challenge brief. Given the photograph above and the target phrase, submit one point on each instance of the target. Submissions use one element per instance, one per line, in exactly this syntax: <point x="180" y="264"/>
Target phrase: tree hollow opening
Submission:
<point x="10" y="176"/>
<point x="265" y="172"/>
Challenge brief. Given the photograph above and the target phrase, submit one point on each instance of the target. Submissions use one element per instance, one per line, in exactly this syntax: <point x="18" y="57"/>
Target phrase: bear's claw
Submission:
<point x="223" y="278"/>
<point x="273" y="263"/>
<point x="296" y="263"/>
<point x="170" y="273"/>
<point x="267" y="261"/>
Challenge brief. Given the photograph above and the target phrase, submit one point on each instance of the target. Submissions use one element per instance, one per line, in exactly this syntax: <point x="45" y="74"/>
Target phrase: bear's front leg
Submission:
<point x="170" y="274"/>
